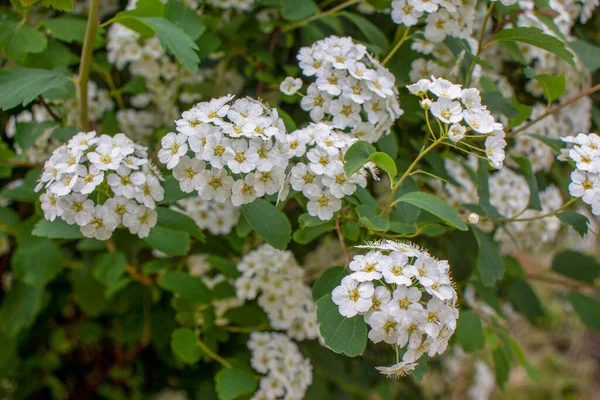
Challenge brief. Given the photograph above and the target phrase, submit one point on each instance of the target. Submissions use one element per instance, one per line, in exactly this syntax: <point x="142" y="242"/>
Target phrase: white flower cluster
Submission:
<point x="320" y="174"/>
<point x="275" y="278"/>
<point x="455" y="105"/>
<point x="288" y="374"/>
<point x="240" y="5"/>
<point x="585" y="179"/>
<point x="406" y="297"/>
<point x="239" y="142"/>
<point x="350" y="86"/>
<point x="218" y="218"/>
<point x="115" y="172"/>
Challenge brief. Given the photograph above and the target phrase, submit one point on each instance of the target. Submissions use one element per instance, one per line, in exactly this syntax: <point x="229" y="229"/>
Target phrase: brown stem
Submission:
<point x="338" y="229"/>
<point x="54" y="115"/>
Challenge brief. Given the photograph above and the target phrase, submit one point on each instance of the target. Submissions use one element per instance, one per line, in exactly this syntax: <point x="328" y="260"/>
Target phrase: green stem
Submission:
<point x="212" y="354"/>
<point x="550" y="214"/>
<point x="86" y="62"/>
<point x="318" y="15"/>
<point x="403" y="39"/>
<point x="479" y="49"/>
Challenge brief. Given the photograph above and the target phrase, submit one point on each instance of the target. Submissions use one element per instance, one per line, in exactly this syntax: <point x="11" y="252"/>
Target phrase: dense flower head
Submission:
<point x="276" y="280"/>
<point x="113" y="171"/>
<point x="584" y="152"/>
<point x="319" y="169"/>
<point x="405" y="295"/>
<point x="461" y="112"/>
<point x="287" y="373"/>
<point x="217" y="218"/>
<point x="350" y="87"/>
<point x="236" y="150"/>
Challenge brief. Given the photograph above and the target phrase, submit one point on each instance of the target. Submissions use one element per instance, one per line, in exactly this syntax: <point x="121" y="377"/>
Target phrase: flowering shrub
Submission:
<point x="290" y="199"/>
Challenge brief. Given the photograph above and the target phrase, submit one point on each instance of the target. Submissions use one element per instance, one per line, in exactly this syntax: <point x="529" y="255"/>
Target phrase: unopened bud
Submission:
<point x="473" y="218"/>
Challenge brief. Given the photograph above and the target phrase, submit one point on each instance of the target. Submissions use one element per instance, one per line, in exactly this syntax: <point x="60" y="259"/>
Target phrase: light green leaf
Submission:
<point x="588" y="53"/>
<point x="185" y="345"/>
<point x="57" y="229"/>
<point x="554" y="86"/>
<point x="520" y="355"/>
<point x="587" y="308"/>
<point x="269" y="222"/>
<point x="189" y="287"/>
<point x="20" y="307"/>
<point x="385" y="162"/>
<point x="223" y="265"/>
<point x="435" y="206"/>
<point x="575" y="265"/>
<point x="356" y="156"/>
<point x="185" y="18"/>
<point x="17" y="40"/>
<point x="295" y="10"/>
<point x="232" y="383"/>
<point x="342" y="335"/>
<point x="69" y="29"/>
<point x="535" y="37"/>
<point x="328" y="281"/>
<point x="64" y="133"/>
<point x="37" y="262"/>
<point x="23" y="85"/>
<point x="576" y="221"/>
<point x="60" y="5"/>
<point x="502" y="364"/>
<point x="489" y="261"/>
<point x="56" y="55"/>
<point x="175" y="40"/>
<point x="169" y="241"/>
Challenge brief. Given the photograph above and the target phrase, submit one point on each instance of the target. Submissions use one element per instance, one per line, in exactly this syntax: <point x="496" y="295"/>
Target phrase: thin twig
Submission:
<point x="338" y="229"/>
<point x="272" y="42"/>
<point x="54" y="115"/>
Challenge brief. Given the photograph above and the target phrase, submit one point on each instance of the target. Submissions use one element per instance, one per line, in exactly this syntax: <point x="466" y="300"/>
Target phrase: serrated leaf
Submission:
<point x="269" y="222"/>
<point x="356" y="156"/>
<point x="175" y="41"/>
<point x="17" y="40"/>
<point x="576" y="221"/>
<point x="232" y="383"/>
<point x="185" y="345"/>
<point x="535" y="37"/>
<point x="57" y="229"/>
<point x="189" y="287"/>
<point x="554" y="86"/>
<point x="23" y="85"/>
<point x="185" y="18"/>
<point x="69" y="29"/>
<point x="435" y="206"/>
<point x="342" y="335"/>
<point x="489" y="261"/>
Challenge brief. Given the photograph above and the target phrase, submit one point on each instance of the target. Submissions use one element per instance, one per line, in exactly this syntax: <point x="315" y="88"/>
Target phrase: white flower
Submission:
<point x="240" y="157"/>
<point x="102" y="224"/>
<point x="457" y="132"/>
<point x="404" y="13"/>
<point x="384" y="327"/>
<point x="392" y="268"/>
<point x="471" y="98"/>
<point x="473" y="218"/>
<point x="188" y="173"/>
<point x="89" y="180"/>
<point x="150" y="192"/>
<point x="215" y="184"/>
<point x="338" y="183"/>
<point x="174" y="146"/>
<point x="76" y="209"/>
<point x="244" y="190"/>
<point x="447" y="111"/>
<point x="400" y="369"/>
<point x="49" y="204"/>
<point x="420" y="88"/>
<point x="121" y="206"/>
<point x="444" y="88"/>
<point x="105" y="156"/>
<point x="353" y="297"/>
<point x="585" y="185"/>
<point x="481" y="121"/>
<point x="316" y="102"/>
<point x="140" y="221"/>
<point x="125" y="182"/>
<point x="404" y="300"/>
<point x="290" y="86"/>
<point x="367" y="267"/>
<point x="322" y="203"/>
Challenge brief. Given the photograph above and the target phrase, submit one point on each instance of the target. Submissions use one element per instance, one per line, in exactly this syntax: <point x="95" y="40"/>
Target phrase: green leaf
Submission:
<point x="483" y="190"/>
<point x="173" y="192"/>
<point x="232" y="383"/>
<point x="37" y="262"/>
<point x="356" y="156"/>
<point x="28" y="132"/>
<point x="223" y="265"/>
<point x="175" y="40"/>
<point x="64" y="133"/>
<point x="351" y="230"/>
<point x="588" y="53"/>
<point x="435" y="206"/>
<point x="525" y="300"/>
<point x="23" y="192"/>
<point x="370" y="219"/>
<point x="502" y="363"/>
<point x="554" y="86"/>
<point x="385" y="162"/>
<point x="535" y="37"/>
<point x="587" y="308"/>
<point x="308" y="234"/>
<point x="247" y="315"/>
<point x="328" y="281"/>
<point x="575" y="220"/>
<point x="135" y="86"/>
<point x="185" y="18"/>
<point x="295" y="10"/>
<point x="269" y="222"/>
<point x="520" y="355"/>
<point x="469" y="332"/>
<point x="69" y="29"/>
<point x="534" y="194"/>
<point x="20" y="307"/>
<point x="179" y="222"/>
<point x="17" y="40"/>
<point x="54" y="56"/>
<point x="185" y="345"/>
<point x="109" y="269"/>
<point x="188" y="287"/>
<point x="60" y="5"/>
<point x="489" y="261"/>
<point x="523" y="112"/>
<point x="169" y="241"/>
<point x="555" y="144"/>
<point x="57" y="229"/>
<point x="306" y="220"/>
<point x="346" y="336"/>
<point x="23" y="85"/>
<point x="372" y="33"/>
<point x="575" y="265"/>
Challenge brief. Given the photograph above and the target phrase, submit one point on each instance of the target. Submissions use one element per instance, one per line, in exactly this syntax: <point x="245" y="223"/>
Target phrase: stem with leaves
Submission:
<point x="318" y="15"/>
<point x="402" y="40"/>
<point x="550" y="214"/>
<point x="86" y="63"/>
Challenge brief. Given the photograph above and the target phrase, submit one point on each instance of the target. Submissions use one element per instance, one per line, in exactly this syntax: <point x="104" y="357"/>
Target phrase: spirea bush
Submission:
<point x="291" y="199"/>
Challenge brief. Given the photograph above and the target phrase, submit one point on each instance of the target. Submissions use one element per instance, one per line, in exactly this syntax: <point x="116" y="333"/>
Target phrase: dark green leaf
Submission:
<point x="57" y="229"/>
<point x="502" y="363"/>
<point x="588" y="53"/>
<point x="189" y="287"/>
<point x="372" y="33"/>
<point x="328" y="281"/>
<point x="223" y="265"/>
<point x="489" y="261"/>
<point x="308" y="234"/>
<point x="356" y="156"/>
<point x="351" y="230"/>
<point x="109" y="269"/>
<point x="370" y="219"/>
<point x="535" y="37"/>
<point x="575" y="265"/>
<point x="23" y="85"/>
<point x="232" y="383"/>
<point x="179" y="222"/>
<point x="587" y="308"/>
<point x="20" y="307"/>
<point x="295" y="10"/>
<point x="483" y="190"/>
<point x="575" y="220"/>
<point x="469" y="332"/>
<point x="269" y="222"/>
<point x="185" y="345"/>
<point x="525" y="300"/>
<point x="527" y="169"/>
<point x="346" y="336"/>
<point x="64" y="133"/>
<point x="185" y="18"/>
<point x="175" y="40"/>
<point x="169" y="241"/>
<point x="28" y="132"/>
<point x="37" y="262"/>
<point x="17" y="40"/>
<point x="435" y="206"/>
